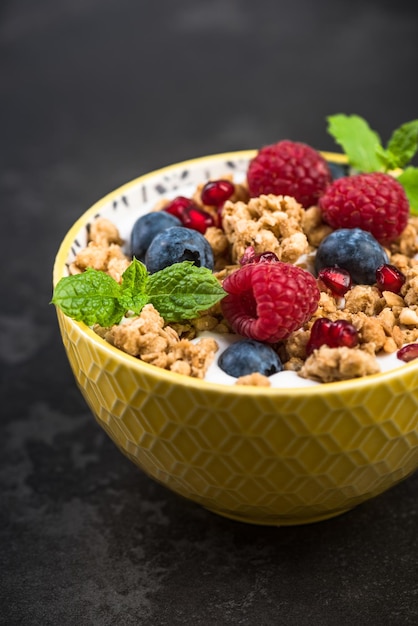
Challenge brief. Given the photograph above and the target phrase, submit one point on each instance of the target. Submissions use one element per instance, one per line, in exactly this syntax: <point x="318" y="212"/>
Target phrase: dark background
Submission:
<point x="92" y="94"/>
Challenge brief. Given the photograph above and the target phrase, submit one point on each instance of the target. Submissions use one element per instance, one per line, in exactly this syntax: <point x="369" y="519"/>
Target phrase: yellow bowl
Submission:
<point x="259" y="455"/>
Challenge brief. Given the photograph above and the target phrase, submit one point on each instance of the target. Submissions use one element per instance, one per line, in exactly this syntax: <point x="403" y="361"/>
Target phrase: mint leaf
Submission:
<point x="181" y="290"/>
<point x="403" y="144"/>
<point x="135" y="277"/>
<point x="91" y="297"/>
<point x="178" y="292"/>
<point x="359" y="142"/>
<point x="388" y="160"/>
<point x="134" y="286"/>
<point x="409" y="181"/>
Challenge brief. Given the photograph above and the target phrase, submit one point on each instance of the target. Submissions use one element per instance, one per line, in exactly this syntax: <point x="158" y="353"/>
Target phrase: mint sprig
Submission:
<point x="181" y="290"/>
<point x="402" y="145"/>
<point x="178" y="292"/>
<point x="92" y="297"/>
<point x="366" y="153"/>
<point x="359" y="142"/>
<point x="409" y="181"/>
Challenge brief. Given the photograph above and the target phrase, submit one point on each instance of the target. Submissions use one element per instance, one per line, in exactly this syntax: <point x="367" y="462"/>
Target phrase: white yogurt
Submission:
<point x="284" y="379"/>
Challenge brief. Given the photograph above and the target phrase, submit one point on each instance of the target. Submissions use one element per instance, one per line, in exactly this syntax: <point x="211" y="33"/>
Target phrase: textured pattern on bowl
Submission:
<point x="267" y="456"/>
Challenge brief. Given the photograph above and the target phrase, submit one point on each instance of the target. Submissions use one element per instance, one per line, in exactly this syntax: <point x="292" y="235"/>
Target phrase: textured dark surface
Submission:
<point x="93" y="93"/>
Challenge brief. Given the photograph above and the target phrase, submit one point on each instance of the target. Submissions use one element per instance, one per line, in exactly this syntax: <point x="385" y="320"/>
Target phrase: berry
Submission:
<point x="354" y="250"/>
<point x="374" y="202"/>
<point x="389" y="278"/>
<point x="408" y="353"/>
<point x="331" y="334"/>
<point x="189" y="214"/>
<point x="336" y="279"/>
<point x="291" y="169"/>
<point x="178" y="244"/>
<point x="216" y="192"/>
<point x="250" y="256"/>
<point x="248" y="356"/>
<point x="146" y="228"/>
<point x="268" y="301"/>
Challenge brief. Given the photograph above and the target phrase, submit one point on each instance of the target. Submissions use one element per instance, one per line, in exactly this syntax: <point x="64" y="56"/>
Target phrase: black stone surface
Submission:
<point x="92" y="94"/>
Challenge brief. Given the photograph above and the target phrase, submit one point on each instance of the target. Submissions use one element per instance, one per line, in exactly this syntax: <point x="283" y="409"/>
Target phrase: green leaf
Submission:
<point x="403" y="144"/>
<point x="92" y="297"/>
<point x="359" y="142"/>
<point x="133" y="302"/>
<point x="182" y="290"/>
<point x="409" y="181"/>
<point x="388" y="160"/>
<point x="134" y="287"/>
<point x="134" y="278"/>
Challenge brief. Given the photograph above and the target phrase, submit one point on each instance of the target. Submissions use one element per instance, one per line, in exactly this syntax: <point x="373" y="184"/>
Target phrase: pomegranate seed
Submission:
<point x="408" y="353"/>
<point x="190" y="215"/>
<point x="264" y="257"/>
<point x="389" y="278"/>
<point x="319" y="333"/>
<point x="198" y="220"/>
<point x="216" y="192"/>
<point x="336" y="279"/>
<point x="179" y="206"/>
<point x="332" y="334"/>
<point x="342" y="333"/>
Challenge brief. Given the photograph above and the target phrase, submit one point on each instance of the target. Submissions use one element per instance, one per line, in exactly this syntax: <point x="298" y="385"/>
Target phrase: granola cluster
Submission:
<point x="147" y="337"/>
<point x="103" y="252"/>
<point x="384" y="321"/>
<point x="270" y="222"/>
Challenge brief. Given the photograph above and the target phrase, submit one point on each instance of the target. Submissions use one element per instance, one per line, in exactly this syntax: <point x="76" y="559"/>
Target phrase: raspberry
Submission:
<point x="268" y="301"/>
<point x="373" y="202"/>
<point x="289" y="168"/>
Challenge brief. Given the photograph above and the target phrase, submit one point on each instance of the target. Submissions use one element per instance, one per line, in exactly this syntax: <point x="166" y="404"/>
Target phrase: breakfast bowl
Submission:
<point x="274" y="455"/>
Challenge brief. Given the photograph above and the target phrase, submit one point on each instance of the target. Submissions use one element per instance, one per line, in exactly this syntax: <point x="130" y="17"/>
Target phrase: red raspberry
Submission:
<point x="373" y="202"/>
<point x="268" y="301"/>
<point x="289" y="168"/>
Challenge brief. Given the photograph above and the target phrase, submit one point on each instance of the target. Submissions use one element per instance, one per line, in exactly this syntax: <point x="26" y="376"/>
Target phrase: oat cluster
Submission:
<point x="147" y="337"/>
<point x="385" y="321"/>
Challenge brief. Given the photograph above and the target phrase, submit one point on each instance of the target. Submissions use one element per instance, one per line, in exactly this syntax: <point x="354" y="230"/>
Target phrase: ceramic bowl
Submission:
<point x="274" y="456"/>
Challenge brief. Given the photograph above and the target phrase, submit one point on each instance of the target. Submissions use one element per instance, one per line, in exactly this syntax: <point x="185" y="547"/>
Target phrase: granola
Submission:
<point x="384" y="320"/>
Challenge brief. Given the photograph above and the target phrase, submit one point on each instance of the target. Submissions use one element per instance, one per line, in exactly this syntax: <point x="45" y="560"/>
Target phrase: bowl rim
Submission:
<point x="188" y="381"/>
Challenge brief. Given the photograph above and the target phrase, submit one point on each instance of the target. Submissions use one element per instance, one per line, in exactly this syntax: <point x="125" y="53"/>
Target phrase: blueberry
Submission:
<point x="248" y="356"/>
<point x="354" y="250"/>
<point x="178" y="244"/>
<point x="146" y="228"/>
<point x="338" y="170"/>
